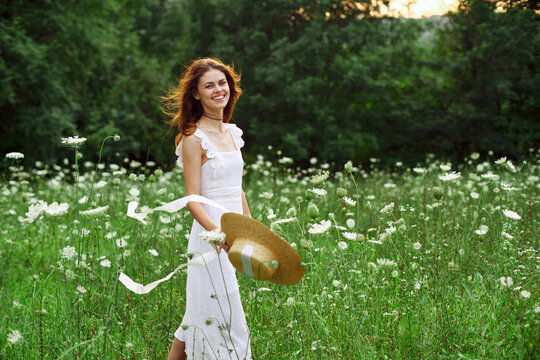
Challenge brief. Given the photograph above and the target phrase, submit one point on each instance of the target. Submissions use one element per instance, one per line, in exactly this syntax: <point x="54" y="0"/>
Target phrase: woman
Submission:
<point x="208" y="148"/>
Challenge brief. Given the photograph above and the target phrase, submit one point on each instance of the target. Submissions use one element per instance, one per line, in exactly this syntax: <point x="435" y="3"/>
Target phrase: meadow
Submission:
<point x="436" y="261"/>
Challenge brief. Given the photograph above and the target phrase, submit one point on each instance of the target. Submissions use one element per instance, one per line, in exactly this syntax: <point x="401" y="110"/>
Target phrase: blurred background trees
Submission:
<point x="327" y="78"/>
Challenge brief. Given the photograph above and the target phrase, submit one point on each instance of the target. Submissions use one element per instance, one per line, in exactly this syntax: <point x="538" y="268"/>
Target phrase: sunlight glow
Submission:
<point x="419" y="8"/>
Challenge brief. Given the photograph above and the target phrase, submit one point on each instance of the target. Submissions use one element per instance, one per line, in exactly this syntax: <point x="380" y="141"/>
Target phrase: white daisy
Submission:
<point x="349" y="235"/>
<point x="105" y="263"/>
<point x="387" y="208"/>
<point x="213" y="237"/>
<point x="14" y="337"/>
<point x="68" y="252"/>
<point x="319" y="192"/>
<point x="343" y="245"/>
<point x="483" y="230"/>
<point x="526" y="294"/>
<point x="349" y="201"/>
<point x="56" y="209"/>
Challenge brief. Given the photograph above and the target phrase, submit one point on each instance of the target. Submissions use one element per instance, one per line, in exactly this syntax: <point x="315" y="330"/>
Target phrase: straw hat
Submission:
<point x="259" y="253"/>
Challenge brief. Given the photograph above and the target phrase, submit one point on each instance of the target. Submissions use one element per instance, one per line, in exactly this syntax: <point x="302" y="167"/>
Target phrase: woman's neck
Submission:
<point x="212" y="120"/>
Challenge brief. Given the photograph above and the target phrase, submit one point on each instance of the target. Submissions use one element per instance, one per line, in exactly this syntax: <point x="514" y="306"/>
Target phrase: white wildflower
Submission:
<point x="153" y="252"/>
<point x="14" y="337"/>
<point x="350" y="235"/>
<point x="511" y="214"/>
<point x="74" y="141"/>
<point x="105" y="263"/>
<point x="343" y="245"/>
<point x="336" y="283"/>
<point x="483" y="230"/>
<point x="319" y="192"/>
<point x="349" y="201"/>
<point x="475" y="195"/>
<point x="266" y="195"/>
<point x="418" y="285"/>
<point x="121" y="243"/>
<point x="69" y="252"/>
<point x="15" y="155"/>
<point x="419" y="170"/>
<point x="290" y="301"/>
<point x="526" y="294"/>
<point x="395" y="273"/>
<point x="450" y="176"/>
<point x="81" y="289"/>
<point x="501" y="161"/>
<point x="56" y="209"/>
<point x="506" y="281"/>
<point x="306" y="243"/>
<point x="387" y="208"/>
<point x="386" y="262"/>
<point x="213" y="237"/>
<point x="134" y="192"/>
<point x="264" y="289"/>
<point x="320" y="177"/>
<point x="475" y="156"/>
<point x="283" y="221"/>
<point x="320" y="228"/>
<point x="507" y="235"/>
<point x="417" y="246"/>
<point x="350" y="223"/>
<point x="445" y="167"/>
<point x="165" y="219"/>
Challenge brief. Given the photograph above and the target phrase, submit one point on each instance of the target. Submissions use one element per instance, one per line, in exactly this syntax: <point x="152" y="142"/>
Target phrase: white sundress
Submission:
<point x="214" y="324"/>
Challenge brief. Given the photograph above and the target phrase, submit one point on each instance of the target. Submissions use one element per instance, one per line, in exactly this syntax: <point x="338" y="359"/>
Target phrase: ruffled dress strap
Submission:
<point x="206" y="144"/>
<point x="237" y="135"/>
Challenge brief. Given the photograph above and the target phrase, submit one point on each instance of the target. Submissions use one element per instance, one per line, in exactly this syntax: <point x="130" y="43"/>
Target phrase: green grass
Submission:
<point x="439" y="296"/>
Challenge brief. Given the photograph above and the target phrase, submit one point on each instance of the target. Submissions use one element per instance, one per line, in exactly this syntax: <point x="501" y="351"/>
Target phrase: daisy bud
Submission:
<point x="341" y="192"/>
<point x="313" y="210"/>
<point x="437" y="192"/>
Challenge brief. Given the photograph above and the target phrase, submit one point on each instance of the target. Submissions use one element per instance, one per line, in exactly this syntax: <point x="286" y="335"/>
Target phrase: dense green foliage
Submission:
<point x="400" y="264"/>
<point x="322" y="78"/>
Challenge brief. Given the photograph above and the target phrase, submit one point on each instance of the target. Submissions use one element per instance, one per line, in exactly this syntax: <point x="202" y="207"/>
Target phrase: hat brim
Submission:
<point x="289" y="271"/>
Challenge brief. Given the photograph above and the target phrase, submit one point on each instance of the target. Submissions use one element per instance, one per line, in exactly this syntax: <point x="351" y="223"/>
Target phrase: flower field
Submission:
<point x="439" y="261"/>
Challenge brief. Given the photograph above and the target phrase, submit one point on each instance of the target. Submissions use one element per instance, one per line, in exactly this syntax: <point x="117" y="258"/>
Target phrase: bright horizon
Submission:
<point x="419" y="8"/>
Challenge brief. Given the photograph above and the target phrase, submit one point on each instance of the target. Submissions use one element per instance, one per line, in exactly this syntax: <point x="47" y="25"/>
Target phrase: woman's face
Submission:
<point x="213" y="91"/>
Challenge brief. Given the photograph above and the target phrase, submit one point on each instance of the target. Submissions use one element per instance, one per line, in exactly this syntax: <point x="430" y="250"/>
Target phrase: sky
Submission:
<point x="419" y="8"/>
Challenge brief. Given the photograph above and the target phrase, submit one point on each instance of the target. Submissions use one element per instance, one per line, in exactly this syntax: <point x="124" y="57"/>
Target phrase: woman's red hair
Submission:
<point x="181" y="105"/>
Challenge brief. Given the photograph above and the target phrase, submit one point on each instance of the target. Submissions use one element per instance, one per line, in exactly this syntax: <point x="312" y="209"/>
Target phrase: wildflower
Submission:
<point x="282" y="221"/>
<point x="395" y="273"/>
<point x="349" y="201"/>
<point x="134" y="192"/>
<point x="165" y="219"/>
<point x="506" y="281"/>
<point x="348" y="166"/>
<point x="285" y="160"/>
<point x="290" y="301"/>
<point x="526" y="294"/>
<point x="320" y="228"/>
<point x="266" y="195"/>
<point x="343" y="245"/>
<point x="501" y="161"/>
<point x="116" y="137"/>
<point x="121" y="243"/>
<point x="387" y="208"/>
<point x="319" y="192"/>
<point x="437" y="192"/>
<point x="336" y="283"/>
<point x="94" y="212"/>
<point x="153" y="252"/>
<point x="393" y="313"/>
<point x="418" y="285"/>
<point x="312" y="210"/>
<point x="507" y="235"/>
<point x="105" y="263"/>
<point x="213" y="237"/>
<point x="74" y="141"/>
<point x="450" y="176"/>
<point x="475" y="156"/>
<point x="445" y="167"/>
<point x="511" y="214"/>
<point x="483" y="230"/>
<point x="81" y="289"/>
<point x="320" y="177"/>
<point x="419" y="170"/>
<point x="341" y="192"/>
<point x="14" y="337"/>
<point x="475" y="195"/>
<point x="417" y="246"/>
<point x="264" y="289"/>
<point x="56" y="209"/>
<point x="313" y="160"/>
<point x="350" y="223"/>
<point x="389" y="185"/>
<point x="291" y="212"/>
<point x="15" y="155"/>
<point x="35" y="210"/>
<point x="350" y="235"/>
<point x="386" y="262"/>
<point x="510" y="166"/>
<point x="68" y="252"/>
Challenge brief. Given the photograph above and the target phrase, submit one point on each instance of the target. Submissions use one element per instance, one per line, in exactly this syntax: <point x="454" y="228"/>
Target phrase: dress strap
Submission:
<point x="206" y="145"/>
<point x="237" y="135"/>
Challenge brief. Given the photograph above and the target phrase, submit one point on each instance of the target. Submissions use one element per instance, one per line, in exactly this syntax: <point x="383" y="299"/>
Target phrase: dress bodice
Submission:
<point x="221" y="175"/>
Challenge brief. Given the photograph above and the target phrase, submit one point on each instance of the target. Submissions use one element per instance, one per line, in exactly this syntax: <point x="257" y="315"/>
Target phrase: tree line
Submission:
<point x="329" y="79"/>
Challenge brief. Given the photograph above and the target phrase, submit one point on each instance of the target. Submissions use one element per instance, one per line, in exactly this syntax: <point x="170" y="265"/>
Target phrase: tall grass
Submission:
<point x="422" y="279"/>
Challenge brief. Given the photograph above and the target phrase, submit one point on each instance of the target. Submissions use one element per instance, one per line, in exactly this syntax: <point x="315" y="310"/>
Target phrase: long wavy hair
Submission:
<point x="181" y="105"/>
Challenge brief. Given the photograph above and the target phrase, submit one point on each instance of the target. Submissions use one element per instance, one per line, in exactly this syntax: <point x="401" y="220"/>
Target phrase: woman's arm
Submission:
<point x="192" y="157"/>
<point x="245" y="206"/>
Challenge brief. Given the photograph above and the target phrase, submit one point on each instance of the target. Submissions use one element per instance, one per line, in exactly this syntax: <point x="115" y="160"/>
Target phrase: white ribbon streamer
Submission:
<point x="245" y="255"/>
<point x="137" y="288"/>
<point x="171" y="207"/>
